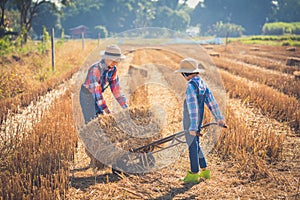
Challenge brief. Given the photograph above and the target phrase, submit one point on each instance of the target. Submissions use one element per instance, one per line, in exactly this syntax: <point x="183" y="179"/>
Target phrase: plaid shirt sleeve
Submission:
<point x="213" y="105"/>
<point x="116" y="90"/>
<point x="94" y="86"/>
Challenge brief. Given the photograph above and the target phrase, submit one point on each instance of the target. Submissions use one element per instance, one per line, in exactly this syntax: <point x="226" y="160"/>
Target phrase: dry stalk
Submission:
<point x="251" y="149"/>
<point x="272" y="103"/>
<point x="286" y="84"/>
<point x="38" y="167"/>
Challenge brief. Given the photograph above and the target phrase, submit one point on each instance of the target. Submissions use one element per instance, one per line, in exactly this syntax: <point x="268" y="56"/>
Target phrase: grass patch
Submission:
<point x="284" y="40"/>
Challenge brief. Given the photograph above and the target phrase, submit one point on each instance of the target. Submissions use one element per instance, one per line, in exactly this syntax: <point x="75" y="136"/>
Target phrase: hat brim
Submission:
<point x="190" y="71"/>
<point x="114" y="58"/>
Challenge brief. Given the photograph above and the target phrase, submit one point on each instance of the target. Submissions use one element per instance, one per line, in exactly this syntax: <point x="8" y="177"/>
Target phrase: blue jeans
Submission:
<point x="89" y="107"/>
<point x="196" y="156"/>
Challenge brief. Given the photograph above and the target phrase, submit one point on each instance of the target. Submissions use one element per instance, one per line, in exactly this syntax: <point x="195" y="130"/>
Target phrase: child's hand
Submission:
<point x="107" y="111"/>
<point x="193" y="133"/>
<point x="222" y="123"/>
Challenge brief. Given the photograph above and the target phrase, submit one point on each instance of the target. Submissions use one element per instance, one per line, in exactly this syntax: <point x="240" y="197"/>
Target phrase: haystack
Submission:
<point x="118" y="134"/>
<point x="293" y="61"/>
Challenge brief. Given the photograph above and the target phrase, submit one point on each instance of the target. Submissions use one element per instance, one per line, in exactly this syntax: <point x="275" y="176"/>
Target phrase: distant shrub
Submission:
<point x="62" y="36"/>
<point x="102" y="30"/>
<point x="287" y="43"/>
<point x="5" y="46"/>
<point x="221" y="29"/>
<point x="296" y="28"/>
<point x="46" y="36"/>
<point x="291" y="38"/>
<point x="281" y="28"/>
<point x="45" y="44"/>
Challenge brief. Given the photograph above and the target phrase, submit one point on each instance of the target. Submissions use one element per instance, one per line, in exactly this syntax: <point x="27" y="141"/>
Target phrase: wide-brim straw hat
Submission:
<point x="190" y="65"/>
<point x="113" y="52"/>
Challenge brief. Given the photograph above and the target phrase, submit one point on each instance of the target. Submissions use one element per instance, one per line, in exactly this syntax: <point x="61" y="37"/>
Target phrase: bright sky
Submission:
<point x="192" y="3"/>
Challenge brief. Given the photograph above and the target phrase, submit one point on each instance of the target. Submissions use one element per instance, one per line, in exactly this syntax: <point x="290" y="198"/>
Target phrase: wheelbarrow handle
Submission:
<point x="169" y="138"/>
<point x="213" y="123"/>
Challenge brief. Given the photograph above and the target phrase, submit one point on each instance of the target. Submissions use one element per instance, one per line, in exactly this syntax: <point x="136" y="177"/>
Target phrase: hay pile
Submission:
<point x="128" y="130"/>
<point x="122" y="132"/>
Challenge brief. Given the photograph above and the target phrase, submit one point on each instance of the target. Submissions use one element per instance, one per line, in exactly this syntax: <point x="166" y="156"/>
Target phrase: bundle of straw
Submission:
<point x="120" y="133"/>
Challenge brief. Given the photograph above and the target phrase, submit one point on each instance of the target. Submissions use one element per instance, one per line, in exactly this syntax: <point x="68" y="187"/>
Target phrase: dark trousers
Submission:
<point x="89" y="107"/>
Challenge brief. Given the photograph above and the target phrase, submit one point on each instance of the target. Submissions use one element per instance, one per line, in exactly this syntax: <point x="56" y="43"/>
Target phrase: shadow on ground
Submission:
<point x="176" y="191"/>
<point x="83" y="183"/>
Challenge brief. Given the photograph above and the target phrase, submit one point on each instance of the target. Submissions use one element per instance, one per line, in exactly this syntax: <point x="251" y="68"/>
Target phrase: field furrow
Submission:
<point x="276" y="53"/>
<point x="263" y="62"/>
<point x="281" y="82"/>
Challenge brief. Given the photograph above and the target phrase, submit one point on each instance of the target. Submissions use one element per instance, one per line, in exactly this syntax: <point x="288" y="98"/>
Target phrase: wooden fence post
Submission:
<point x="53" y="49"/>
<point x="98" y="39"/>
<point x="82" y="36"/>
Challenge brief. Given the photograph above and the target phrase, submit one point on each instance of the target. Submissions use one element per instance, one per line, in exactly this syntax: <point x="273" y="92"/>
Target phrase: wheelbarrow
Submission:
<point x="142" y="160"/>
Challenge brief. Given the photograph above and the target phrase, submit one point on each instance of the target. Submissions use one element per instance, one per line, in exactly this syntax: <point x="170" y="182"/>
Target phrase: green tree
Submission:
<point x="102" y="31"/>
<point x="2" y="8"/>
<point x="209" y="12"/>
<point x="4" y="22"/>
<point x="173" y="19"/>
<point x="287" y="11"/>
<point x="251" y="14"/>
<point x="87" y="13"/>
<point x="110" y="14"/>
<point x="162" y="17"/>
<point x="173" y="4"/>
<point x="46" y="16"/>
<point x="145" y="13"/>
<point x="120" y="15"/>
<point x="28" y="9"/>
<point x="221" y="29"/>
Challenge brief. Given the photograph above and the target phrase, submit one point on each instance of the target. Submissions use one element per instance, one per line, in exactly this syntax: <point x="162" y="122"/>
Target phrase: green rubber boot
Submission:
<point x="205" y="174"/>
<point x="191" y="178"/>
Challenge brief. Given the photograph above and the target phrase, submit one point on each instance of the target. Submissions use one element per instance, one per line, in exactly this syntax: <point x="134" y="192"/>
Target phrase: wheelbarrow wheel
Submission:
<point x="147" y="160"/>
<point x="115" y="170"/>
<point x="134" y="163"/>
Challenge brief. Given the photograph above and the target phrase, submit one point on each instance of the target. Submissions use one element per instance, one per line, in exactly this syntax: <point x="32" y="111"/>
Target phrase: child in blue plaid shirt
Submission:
<point x="197" y="93"/>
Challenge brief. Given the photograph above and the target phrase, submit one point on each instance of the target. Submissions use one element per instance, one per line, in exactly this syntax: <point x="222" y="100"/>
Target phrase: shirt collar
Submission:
<point x="105" y="67"/>
<point x="196" y="78"/>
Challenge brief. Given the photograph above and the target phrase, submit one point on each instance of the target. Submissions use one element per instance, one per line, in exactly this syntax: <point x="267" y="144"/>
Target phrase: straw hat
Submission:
<point x="113" y="52"/>
<point x="189" y="65"/>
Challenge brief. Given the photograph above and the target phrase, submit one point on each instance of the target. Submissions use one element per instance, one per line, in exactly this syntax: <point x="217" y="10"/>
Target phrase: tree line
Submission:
<point x="25" y="18"/>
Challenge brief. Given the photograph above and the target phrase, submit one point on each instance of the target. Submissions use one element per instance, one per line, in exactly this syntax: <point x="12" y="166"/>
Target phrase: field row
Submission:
<point x="263" y="62"/>
<point x="25" y="78"/>
<point x="279" y="81"/>
<point x="276" y="53"/>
